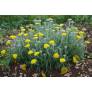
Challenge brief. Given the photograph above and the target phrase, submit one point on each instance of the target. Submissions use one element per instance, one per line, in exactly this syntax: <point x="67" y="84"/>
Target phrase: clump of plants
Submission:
<point x="44" y="47"/>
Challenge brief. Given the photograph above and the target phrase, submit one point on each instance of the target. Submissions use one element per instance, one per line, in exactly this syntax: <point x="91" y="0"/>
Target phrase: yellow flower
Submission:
<point x="62" y="60"/>
<point x="81" y="33"/>
<point x="20" y="34"/>
<point x="27" y="45"/>
<point x="56" y="55"/>
<point x="26" y="34"/>
<point x="12" y="37"/>
<point x="40" y="34"/>
<point x="63" y="33"/>
<point x="3" y="52"/>
<point x="8" y="42"/>
<point x="78" y="37"/>
<point x="35" y="35"/>
<point x="27" y="40"/>
<point x="31" y="30"/>
<point x="33" y="61"/>
<point x="35" y="38"/>
<point x="30" y="52"/>
<point x="64" y="70"/>
<point x="23" y="67"/>
<point x="36" y="53"/>
<point x="46" y="46"/>
<point x="76" y="59"/>
<point x="52" y="42"/>
<point x="14" y="56"/>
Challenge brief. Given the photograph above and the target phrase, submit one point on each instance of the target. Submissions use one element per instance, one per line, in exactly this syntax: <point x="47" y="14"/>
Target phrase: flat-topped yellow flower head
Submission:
<point x="20" y="34"/>
<point x="25" y="34"/>
<point x="35" y="38"/>
<point x="81" y="33"/>
<point x="78" y="37"/>
<point x="12" y="37"/>
<point x="62" y="60"/>
<point x="36" y="53"/>
<point x="46" y="46"/>
<point x="23" y="67"/>
<point x="56" y="55"/>
<point x="64" y="70"/>
<point x="40" y="34"/>
<point x="35" y="35"/>
<point x="33" y="61"/>
<point x="64" y="34"/>
<point x="30" y="52"/>
<point x="27" y="41"/>
<point x="27" y="45"/>
<point x="8" y="42"/>
<point x="14" y="56"/>
<point x="52" y="42"/>
<point x="3" y="52"/>
<point x="76" y="59"/>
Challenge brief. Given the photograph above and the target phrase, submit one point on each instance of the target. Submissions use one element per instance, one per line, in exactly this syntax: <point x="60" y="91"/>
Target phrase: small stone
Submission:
<point x="67" y="75"/>
<point x="90" y="69"/>
<point x="35" y="75"/>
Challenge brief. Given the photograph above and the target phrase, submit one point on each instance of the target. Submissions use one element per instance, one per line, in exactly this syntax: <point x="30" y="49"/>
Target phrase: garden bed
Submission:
<point x="80" y="69"/>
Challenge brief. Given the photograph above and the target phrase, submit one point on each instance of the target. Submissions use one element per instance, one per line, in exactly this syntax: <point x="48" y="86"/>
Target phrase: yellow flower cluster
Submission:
<point x="37" y="35"/>
<point x="80" y="35"/>
<point x="20" y="34"/>
<point x="76" y="59"/>
<point x="3" y="52"/>
<point x="23" y="67"/>
<point x="52" y="42"/>
<point x="62" y="60"/>
<point x="27" y="41"/>
<point x="30" y="52"/>
<point x="8" y="42"/>
<point x="46" y="45"/>
<point x="25" y="34"/>
<point x="36" y="53"/>
<point x="56" y="55"/>
<point x="12" y="37"/>
<point x="14" y="56"/>
<point x="64" y="34"/>
<point x="40" y="34"/>
<point x="64" y="70"/>
<point x="33" y="61"/>
<point x="27" y="45"/>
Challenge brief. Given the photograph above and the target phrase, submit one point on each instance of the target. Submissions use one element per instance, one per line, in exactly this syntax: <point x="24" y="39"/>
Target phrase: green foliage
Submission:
<point x="9" y="22"/>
